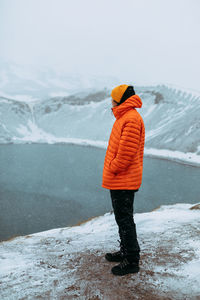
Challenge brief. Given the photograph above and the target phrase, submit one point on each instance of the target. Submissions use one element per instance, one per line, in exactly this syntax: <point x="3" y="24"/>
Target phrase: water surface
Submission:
<point x="49" y="186"/>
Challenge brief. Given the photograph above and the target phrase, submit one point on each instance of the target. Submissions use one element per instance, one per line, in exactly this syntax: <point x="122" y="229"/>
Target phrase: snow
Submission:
<point x="68" y="263"/>
<point x="178" y="156"/>
<point x="26" y="98"/>
<point x="171" y="119"/>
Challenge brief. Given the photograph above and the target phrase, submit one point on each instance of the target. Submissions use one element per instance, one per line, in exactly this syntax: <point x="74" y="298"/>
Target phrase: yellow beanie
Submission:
<point x="118" y="92"/>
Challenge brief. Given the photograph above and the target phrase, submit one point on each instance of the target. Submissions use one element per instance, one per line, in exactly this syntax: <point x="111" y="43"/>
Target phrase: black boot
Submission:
<point x="126" y="267"/>
<point x="130" y="257"/>
<point x="118" y="256"/>
<point x="115" y="256"/>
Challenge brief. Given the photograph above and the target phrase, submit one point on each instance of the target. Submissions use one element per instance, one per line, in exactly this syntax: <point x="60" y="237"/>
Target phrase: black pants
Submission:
<point x="122" y="202"/>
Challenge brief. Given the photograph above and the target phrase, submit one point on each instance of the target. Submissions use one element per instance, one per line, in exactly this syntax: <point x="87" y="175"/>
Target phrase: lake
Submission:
<point x="46" y="186"/>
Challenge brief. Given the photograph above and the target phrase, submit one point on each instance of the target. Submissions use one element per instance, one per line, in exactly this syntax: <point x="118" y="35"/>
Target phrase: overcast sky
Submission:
<point x="143" y="41"/>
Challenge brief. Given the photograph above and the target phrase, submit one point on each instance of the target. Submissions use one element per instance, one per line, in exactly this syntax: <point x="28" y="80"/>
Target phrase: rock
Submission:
<point x="196" y="206"/>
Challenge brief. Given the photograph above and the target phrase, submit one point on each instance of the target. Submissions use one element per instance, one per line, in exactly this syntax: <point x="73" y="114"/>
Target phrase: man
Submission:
<point x="122" y="174"/>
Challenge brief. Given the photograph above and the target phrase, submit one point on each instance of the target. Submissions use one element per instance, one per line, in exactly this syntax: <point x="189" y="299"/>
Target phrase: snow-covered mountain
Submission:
<point x="171" y="118"/>
<point x="50" y="106"/>
<point x="26" y="83"/>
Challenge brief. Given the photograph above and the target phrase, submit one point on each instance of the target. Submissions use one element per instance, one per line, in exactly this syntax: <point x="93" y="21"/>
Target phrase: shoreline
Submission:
<point x="189" y="158"/>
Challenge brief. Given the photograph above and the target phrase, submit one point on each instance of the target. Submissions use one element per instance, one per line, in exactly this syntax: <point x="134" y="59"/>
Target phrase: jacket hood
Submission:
<point x="130" y="103"/>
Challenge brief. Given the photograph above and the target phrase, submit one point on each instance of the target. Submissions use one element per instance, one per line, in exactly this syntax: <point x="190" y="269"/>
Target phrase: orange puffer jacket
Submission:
<point x="123" y="163"/>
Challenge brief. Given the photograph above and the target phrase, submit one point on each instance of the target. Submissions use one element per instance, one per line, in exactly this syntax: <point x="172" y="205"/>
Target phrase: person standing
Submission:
<point x="122" y="174"/>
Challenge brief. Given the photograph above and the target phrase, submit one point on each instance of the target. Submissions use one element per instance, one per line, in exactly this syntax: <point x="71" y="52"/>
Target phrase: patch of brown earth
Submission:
<point x="94" y="279"/>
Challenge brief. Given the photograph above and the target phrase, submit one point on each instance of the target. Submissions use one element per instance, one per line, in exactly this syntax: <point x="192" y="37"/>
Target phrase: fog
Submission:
<point x="146" y="41"/>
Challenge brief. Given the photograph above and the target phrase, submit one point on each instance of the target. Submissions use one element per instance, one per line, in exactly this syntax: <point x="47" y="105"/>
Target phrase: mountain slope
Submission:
<point x="171" y="118"/>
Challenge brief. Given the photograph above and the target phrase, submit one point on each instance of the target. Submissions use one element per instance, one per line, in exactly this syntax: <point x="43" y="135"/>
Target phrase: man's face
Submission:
<point x="114" y="103"/>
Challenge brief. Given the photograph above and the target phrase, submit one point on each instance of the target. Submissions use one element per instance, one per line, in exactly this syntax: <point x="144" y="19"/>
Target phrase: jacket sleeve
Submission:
<point x="128" y="146"/>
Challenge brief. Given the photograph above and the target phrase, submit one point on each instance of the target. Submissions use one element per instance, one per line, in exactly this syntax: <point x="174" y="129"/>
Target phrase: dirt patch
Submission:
<point x="95" y="280"/>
